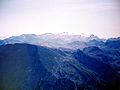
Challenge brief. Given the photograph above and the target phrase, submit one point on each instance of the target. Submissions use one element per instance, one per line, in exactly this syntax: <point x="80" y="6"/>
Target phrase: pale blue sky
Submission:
<point x="99" y="17"/>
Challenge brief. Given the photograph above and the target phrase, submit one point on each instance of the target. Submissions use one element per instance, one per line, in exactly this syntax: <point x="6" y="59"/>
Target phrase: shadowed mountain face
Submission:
<point x="59" y="62"/>
<point x="21" y="68"/>
<point x="31" y="67"/>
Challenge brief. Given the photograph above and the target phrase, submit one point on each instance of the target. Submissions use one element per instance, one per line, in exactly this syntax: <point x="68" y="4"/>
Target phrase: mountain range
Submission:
<point x="59" y="62"/>
<point x="61" y="40"/>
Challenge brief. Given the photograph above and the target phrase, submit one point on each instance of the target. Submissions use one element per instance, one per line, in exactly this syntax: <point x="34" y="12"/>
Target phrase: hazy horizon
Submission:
<point x="62" y="33"/>
<point x="98" y="17"/>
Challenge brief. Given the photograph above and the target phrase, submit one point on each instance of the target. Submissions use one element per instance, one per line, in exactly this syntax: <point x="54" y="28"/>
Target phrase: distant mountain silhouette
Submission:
<point x="55" y="40"/>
